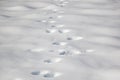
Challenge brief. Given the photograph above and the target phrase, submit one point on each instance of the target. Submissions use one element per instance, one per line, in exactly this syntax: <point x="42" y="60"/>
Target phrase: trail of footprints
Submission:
<point x="52" y="27"/>
<point x="46" y="73"/>
<point x="66" y="51"/>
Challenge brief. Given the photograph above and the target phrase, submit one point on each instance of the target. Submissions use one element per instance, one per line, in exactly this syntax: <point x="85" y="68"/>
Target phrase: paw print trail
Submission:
<point x="64" y="49"/>
<point x="36" y="29"/>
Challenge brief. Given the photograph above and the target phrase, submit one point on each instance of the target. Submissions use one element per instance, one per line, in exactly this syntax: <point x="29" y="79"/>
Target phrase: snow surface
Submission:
<point x="59" y="40"/>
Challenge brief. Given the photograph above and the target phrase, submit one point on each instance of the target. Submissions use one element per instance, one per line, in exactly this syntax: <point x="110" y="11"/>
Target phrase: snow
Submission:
<point x="59" y="40"/>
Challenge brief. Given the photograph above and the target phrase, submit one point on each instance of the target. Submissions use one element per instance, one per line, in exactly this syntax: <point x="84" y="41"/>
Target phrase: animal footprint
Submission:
<point x="51" y="30"/>
<point x="61" y="3"/>
<point x="64" y="30"/>
<point x="74" y="38"/>
<point x="60" y="43"/>
<point x="50" y="74"/>
<point x="35" y="73"/>
<point x="68" y="52"/>
<point x="63" y="52"/>
<point x="55" y="60"/>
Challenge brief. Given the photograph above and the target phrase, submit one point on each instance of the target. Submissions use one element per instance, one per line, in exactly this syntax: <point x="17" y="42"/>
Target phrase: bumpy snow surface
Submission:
<point x="59" y="39"/>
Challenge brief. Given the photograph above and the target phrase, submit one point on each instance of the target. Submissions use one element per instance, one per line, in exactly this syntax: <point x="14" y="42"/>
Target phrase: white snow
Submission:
<point x="59" y="40"/>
